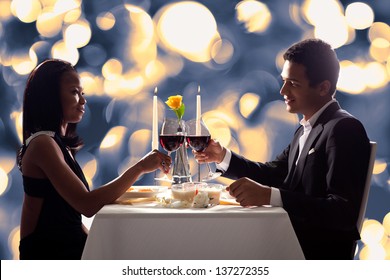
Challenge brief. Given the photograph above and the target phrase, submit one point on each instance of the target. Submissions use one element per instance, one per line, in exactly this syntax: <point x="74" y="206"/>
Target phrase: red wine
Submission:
<point x="198" y="143"/>
<point x="171" y="143"/>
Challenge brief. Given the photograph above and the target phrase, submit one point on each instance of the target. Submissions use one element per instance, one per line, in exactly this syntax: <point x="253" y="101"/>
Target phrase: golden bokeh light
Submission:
<point x="154" y="72"/>
<point x="49" y="24"/>
<point x="65" y="52"/>
<point x="5" y="10"/>
<point x="359" y="15"/>
<point x="255" y="15"/>
<point x="64" y="6"/>
<point x="351" y="78"/>
<point x="78" y="34"/>
<point x="72" y="16"/>
<point x="335" y="32"/>
<point x="23" y="64"/>
<point x="17" y="118"/>
<point x="318" y="12"/>
<point x="379" y="167"/>
<point x="379" y="30"/>
<point x="105" y="21"/>
<point x="380" y="49"/>
<point x="218" y="128"/>
<point x="13" y="242"/>
<point x="26" y="11"/>
<point x="188" y="28"/>
<point x="254" y="143"/>
<point x="89" y="170"/>
<point x="372" y="233"/>
<point x="375" y="75"/>
<point x="3" y="181"/>
<point x="248" y="103"/>
<point x="386" y="224"/>
<point x="372" y="252"/>
<point x="7" y="162"/>
<point x="112" y="69"/>
<point x="222" y="51"/>
<point x="140" y="142"/>
<point x="114" y="138"/>
<point x="92" y="84"/>
<point x="276" y="110"/>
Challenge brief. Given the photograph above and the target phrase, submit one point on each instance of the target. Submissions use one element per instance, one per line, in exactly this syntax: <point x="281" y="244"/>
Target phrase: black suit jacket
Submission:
<point x="323" y="191"/>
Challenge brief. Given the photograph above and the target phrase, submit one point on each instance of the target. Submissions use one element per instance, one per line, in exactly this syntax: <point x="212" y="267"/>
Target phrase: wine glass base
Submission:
<point x="211" y="176"/>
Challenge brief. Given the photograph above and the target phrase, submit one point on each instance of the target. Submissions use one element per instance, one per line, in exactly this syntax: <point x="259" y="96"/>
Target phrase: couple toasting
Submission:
<point x="318" y="178"/>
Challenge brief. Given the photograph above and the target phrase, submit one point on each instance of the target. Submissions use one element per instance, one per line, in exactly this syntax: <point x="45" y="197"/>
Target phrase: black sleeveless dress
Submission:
<point x="58" y="234"/>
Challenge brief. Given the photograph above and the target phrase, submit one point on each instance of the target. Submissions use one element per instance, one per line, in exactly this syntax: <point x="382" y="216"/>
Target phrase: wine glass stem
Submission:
<point x="198" y="172"/>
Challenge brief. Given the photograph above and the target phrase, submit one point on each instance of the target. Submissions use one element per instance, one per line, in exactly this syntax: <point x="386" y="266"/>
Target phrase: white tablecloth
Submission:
<point x="148" y="231"/>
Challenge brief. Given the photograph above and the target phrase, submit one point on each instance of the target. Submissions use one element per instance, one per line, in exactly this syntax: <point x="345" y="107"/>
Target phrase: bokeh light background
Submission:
<point x="233" y="50"/>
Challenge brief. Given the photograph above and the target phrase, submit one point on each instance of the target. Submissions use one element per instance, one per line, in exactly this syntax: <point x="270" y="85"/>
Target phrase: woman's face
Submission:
<point x="72" y="98"/>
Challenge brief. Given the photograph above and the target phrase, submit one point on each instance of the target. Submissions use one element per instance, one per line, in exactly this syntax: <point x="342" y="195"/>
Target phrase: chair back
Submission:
<point x="367" y="186"/>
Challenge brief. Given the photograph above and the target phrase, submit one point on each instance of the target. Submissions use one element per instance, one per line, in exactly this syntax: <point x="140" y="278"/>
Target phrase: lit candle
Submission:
<point x="198" y="112"/>
<point x="155" y="122"/>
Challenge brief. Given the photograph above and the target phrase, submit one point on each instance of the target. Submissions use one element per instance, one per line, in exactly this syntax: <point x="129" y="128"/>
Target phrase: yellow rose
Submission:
<point x="174" y="102"/>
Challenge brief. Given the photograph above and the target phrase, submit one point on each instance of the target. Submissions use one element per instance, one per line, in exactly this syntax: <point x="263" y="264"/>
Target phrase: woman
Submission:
<point x="56" y="192"/>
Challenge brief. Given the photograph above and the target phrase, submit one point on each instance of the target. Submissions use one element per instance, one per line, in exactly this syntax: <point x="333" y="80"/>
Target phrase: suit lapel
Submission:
<point x="314" y="134"/>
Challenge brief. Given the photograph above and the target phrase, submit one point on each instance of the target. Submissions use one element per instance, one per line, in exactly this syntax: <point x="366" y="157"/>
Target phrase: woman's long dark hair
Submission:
<point x="42" y="108"/>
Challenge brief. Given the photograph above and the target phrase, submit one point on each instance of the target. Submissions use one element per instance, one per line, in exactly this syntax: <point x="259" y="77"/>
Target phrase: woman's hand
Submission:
<point x="155" y="160"/>
<point x="215" y="152"/>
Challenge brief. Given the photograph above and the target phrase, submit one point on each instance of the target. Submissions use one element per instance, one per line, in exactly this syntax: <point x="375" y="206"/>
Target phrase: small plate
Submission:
<point x="142" y="191"/>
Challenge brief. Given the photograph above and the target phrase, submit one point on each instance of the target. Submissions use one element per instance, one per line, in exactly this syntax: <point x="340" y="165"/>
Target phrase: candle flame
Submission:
<point x="198" y="89"/>
<point x="155" y="91"/>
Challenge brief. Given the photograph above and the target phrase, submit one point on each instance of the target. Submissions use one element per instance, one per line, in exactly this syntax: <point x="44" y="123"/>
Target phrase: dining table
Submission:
<point x="144" y="229"/>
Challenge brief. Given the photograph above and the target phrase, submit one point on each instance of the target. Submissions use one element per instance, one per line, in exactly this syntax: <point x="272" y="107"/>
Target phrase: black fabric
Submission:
<point x="58" y="233"/>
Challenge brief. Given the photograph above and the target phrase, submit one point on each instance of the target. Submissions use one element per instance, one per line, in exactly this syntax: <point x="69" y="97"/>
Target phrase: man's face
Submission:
<point x="298" y="95"/>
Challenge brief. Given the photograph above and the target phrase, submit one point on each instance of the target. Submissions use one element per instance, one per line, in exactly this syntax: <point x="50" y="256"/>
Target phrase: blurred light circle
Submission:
<point x="188" y="28"/>
<point x="372" y="252"/>
<point x="23" y="64"/>
<point x="94" y="54"/>
<point x="49" y="24"/>
<point x="351" y="78"/>
<point x="112" y="69"/>
<point x="379" y="167"/>
<point x="359" y="15"/>
<point x="380" y="49"/>
<point x="379" y="30"/>
<point x="26" y="11"/>
<point x="64" y="6"/>
<point x="3" y="181"/>
<point x="248" y="103"/>
<point x="386" y="224"/>
<point x="222" y="51"/>
<point x="5" y="10"/>
<point x="255" y="15"/>
<point x="72" y="16"/>
<point x="335" y="31"/>
<point x="105" y="21"/>
<point x="372" y="232"/>
<point x="375" y="75"/>
<point x="62" y="51"/>
<point x="78" y="34"/>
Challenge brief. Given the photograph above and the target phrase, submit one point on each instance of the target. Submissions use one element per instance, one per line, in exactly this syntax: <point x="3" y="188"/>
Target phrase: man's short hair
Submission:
<point x="319" y="59"/>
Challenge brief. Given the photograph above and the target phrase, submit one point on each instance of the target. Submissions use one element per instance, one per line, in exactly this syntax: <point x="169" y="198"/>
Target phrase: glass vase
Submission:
<point x="181" y="168"/>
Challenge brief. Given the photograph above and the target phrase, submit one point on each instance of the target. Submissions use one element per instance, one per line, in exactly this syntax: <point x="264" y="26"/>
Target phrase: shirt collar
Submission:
<point x="310" y="122"/>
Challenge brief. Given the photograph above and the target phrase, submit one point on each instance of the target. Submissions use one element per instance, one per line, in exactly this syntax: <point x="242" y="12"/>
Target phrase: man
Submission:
<point x="319" y="178"/>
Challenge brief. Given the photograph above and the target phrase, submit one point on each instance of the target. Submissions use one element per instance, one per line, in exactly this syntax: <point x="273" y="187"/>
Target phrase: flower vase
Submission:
<point x="181" y="168"/>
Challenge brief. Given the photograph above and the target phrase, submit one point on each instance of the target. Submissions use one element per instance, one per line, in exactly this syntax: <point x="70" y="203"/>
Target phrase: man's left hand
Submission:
<point x="250" y="193"/>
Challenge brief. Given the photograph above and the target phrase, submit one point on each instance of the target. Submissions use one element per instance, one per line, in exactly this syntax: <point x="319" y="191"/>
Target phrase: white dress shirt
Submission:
<point x="276" y="199"/>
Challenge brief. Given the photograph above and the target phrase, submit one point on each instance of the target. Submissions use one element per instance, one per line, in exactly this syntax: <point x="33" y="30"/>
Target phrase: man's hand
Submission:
<point x="249" y="193"/>
<point x="213" y="153"/>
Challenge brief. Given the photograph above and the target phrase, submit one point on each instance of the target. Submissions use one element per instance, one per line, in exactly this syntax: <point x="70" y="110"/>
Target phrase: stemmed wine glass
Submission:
<point x="171" y="138"/>
<point x="198" y="137"/>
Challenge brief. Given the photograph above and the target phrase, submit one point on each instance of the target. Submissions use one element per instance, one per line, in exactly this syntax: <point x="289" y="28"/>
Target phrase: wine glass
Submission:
<point x="198" y="137"/>
<point x="171" y="138"/>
